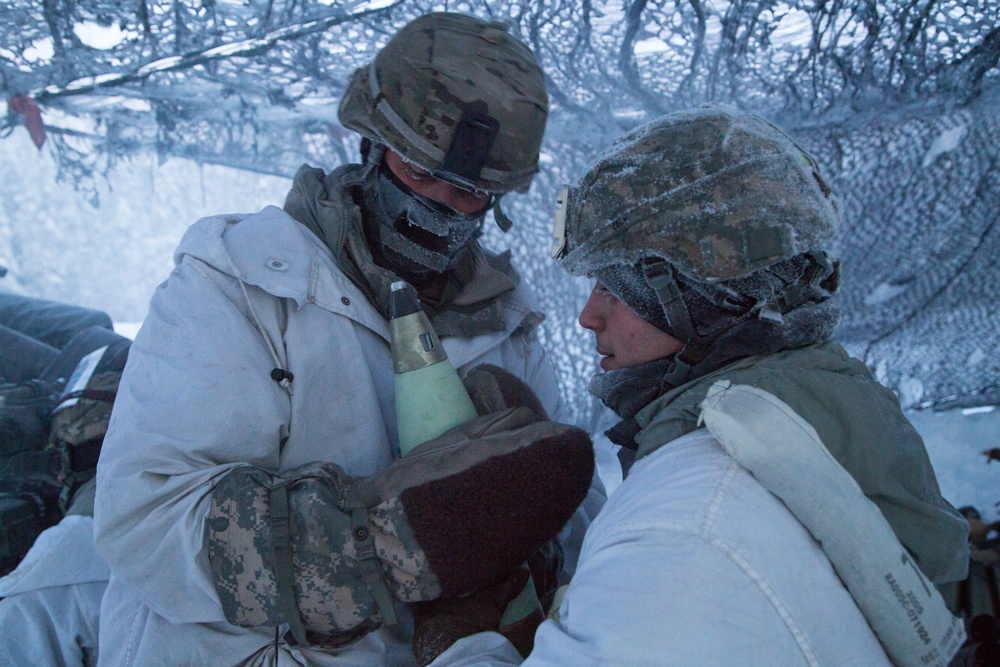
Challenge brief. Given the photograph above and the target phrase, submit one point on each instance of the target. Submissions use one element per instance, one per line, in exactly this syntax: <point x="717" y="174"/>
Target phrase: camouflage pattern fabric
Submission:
<point x="241" y="549"/>
<point x="77" y="432"/>
<point x="88" y="418"/>
<point x="412" y="96"/>
<point x="408" y="574"/>
<point x="716" y="193"/>
<point x="332" y="598"/>
<point x="455" y="515"/>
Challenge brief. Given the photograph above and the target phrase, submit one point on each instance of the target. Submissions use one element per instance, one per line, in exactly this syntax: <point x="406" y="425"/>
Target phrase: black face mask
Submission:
<point x="421" y="235"/>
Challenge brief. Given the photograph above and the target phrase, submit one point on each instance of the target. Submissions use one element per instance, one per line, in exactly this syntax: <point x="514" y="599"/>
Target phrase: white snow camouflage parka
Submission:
<point x="693" y="562"/>
<point x="197" y="400"/>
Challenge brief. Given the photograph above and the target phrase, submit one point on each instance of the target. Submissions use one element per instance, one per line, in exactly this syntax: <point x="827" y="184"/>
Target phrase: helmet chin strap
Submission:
<point x="745" y="322"/>
<point x="660" y="276"/>
<point x="503" y="222"/>
<point x="372" y="156"/>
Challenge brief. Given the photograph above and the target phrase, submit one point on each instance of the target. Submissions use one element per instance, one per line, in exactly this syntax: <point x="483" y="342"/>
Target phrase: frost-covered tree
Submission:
<point x="898" y="100"/>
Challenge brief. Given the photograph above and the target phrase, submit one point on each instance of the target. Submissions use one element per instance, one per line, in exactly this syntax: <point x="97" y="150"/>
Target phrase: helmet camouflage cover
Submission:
<point x="444" y="71"/>
<point x="717" y="193"/>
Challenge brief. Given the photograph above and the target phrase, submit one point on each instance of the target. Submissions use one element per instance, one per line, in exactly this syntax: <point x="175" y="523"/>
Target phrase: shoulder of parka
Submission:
<point x="861" y="424"/>
<point x="268" y="249"/>
<point x="273" y="251"/>
<point x="521" y="309"/>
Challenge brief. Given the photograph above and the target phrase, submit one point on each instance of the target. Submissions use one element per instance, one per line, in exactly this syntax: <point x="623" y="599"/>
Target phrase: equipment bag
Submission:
<point x="39" y="480"/>
<point x="79" y="422"/>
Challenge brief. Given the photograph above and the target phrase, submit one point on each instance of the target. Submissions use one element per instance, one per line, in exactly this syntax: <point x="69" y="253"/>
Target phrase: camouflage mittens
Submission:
<point x="329" y="554"/>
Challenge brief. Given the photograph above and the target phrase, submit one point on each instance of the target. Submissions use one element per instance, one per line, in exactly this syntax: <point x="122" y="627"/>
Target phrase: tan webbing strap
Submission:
<point x="284" y="571"/>
<point x="660" y="276"/>
<point x="358" y="502"/>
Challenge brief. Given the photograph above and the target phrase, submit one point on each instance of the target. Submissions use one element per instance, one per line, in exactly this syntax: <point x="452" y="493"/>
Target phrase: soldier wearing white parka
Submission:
<point x="264" y="366"/>
<point x="777" y="497"/>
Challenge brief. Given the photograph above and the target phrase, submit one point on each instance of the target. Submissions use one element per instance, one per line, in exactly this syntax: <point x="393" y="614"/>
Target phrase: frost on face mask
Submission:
<point x="424" y="235"/>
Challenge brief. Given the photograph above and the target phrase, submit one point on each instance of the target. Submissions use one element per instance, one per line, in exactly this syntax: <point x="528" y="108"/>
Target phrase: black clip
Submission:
<point x="279" y="375"/>
<point x="470" y="146"/>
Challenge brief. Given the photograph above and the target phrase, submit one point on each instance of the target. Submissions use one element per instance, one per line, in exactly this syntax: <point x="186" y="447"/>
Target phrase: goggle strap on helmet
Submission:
<point x="424" y="146"/>
<point x="559" y="230"/>
<point x="382" y="106"/>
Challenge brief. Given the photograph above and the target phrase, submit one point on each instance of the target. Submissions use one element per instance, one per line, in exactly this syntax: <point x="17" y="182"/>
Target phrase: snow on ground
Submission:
<point x="955" y="442"/>
<point x="127" y="329"/>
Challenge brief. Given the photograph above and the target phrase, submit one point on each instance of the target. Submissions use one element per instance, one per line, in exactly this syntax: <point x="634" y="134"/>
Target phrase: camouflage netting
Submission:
<point x="898" y="100"/>
<point x="920" y="248"/>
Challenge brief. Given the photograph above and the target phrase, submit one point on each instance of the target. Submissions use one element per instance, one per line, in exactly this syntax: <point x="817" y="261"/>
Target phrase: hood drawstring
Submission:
<point x="280" y="375"/>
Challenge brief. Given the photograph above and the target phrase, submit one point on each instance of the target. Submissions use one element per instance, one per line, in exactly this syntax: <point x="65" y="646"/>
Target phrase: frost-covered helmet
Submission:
<point x="703" y="221"/>
<point x="717" y="193"/>
<point x="458" y="96"/>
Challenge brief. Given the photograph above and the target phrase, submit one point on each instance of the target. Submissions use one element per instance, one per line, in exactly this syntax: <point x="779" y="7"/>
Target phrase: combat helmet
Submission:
<point x="456" y="95"/>
<point x="704" y="221"/>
